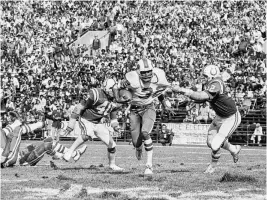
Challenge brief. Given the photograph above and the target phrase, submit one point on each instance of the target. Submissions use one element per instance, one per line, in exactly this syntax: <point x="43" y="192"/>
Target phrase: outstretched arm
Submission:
<point x="197" y="96"/>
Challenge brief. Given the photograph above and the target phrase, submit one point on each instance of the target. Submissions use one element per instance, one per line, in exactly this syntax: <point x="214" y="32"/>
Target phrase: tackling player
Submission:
<point x="89" y="114"/>
<point x="227" y="116"/>
<point x="145" y="84"/>
<point x="11" y="139"/>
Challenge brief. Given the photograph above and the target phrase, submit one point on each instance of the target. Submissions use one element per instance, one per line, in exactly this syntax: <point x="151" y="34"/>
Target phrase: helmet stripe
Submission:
<point x="145" y="63"/>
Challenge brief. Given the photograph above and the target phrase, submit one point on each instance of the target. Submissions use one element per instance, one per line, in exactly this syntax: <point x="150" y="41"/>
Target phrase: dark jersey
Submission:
<point x="221" y="103"/>
<point x="97" y="105"/>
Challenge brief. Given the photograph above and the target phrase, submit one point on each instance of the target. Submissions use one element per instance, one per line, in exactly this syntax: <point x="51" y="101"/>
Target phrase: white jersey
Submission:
<point x="144" y="94"/>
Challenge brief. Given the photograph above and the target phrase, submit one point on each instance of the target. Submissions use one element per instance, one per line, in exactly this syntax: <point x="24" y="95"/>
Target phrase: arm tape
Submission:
<point x="69" y="129"/>
<point x="74" y="115"/>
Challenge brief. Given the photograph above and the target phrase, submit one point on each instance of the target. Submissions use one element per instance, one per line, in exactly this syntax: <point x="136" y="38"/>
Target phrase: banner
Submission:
<point x="186" y="133"/>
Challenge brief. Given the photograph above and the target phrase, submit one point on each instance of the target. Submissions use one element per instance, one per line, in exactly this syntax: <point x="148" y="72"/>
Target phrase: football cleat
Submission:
<point x="210" y="169"/>
<point x="116" y="168"/>
<point x="236" y="155"/>
<point x="79" y="151"/>
<point x="67" y="156"/>
<point x="139" y="153"/>
<point x="148" y="171"/>
<point x="57" y="156"/>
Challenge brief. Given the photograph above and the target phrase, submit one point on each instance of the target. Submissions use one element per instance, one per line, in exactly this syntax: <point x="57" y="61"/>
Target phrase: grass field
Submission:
<point x="178" y="175"/>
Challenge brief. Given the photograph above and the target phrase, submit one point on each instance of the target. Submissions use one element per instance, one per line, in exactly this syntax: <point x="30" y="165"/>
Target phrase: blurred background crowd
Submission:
<point x="43" y="69"/>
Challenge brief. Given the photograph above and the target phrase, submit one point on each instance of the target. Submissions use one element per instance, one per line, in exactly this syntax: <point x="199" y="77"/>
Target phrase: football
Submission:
<point x="125" y="94"/>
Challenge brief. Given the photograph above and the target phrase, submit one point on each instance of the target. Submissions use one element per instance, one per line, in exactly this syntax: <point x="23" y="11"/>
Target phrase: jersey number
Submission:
<point x="104" y="108"/>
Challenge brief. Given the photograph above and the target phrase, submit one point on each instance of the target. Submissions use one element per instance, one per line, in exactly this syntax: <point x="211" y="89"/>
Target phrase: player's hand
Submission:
<point x="64" y="133"/>
<point x="169" y="110"/>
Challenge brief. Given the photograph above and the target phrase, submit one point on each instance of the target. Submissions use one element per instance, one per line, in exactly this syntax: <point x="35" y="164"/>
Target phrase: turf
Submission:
<point x="178" y="174"/>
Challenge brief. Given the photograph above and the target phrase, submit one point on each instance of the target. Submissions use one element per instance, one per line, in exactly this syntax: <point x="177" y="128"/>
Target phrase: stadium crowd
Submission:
<point x="41" y="67"/>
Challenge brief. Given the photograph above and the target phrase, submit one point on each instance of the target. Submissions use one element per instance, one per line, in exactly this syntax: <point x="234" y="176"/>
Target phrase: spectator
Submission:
<point x="257" y="134"/>
<point x="166" y="136"/>
<point x="203" y="113"/>
<point x="96" y="46"/>
<point x="57" y="116"/>
<point x="34" y="44"/>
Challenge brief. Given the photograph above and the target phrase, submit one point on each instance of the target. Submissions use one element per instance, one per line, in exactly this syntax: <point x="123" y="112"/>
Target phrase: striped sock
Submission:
<point x="148" y="144"/>
<point x="60" y="148"/>
<point x="215" y="156"/>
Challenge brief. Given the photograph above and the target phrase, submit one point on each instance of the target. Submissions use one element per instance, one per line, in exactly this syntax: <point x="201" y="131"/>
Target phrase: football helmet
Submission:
<point x="108" y="85"/>
<point x="211" y="71"/>
<point x="145" y="69"/>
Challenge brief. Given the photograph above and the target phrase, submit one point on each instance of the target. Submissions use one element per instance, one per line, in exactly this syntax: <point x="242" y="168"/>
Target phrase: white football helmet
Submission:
<point x="211" y="71"/>
<point x="145" y="69"/>
<point x="108" y="85"/>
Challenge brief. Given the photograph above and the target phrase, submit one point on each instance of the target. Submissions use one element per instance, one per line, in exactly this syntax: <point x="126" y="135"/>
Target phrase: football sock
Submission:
<point x="149" y="150"/>
<point x="229" y="147"/>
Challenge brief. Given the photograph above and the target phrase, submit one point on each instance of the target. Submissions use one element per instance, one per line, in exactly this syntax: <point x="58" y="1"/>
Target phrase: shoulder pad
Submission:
<point x="216" y="86"/>
<point x="159" y="77"/>
<point x="133" y="79"/>
<point x="94" y="95"/>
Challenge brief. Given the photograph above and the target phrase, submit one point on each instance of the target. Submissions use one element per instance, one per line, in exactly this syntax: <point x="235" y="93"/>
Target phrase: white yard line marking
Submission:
<point x="140" y="192"/>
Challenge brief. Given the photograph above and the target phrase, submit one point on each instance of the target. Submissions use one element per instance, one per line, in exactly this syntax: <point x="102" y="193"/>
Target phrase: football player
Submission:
<point x="227" y="116"/>
<point x="89" y="114"/>
<point x="33" y="153"/>
<point x="145" y="84"/>
<point x="11" y="138"/>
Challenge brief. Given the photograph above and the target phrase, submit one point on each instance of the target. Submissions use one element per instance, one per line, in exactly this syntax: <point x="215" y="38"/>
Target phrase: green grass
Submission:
<point x="178" y="175"/>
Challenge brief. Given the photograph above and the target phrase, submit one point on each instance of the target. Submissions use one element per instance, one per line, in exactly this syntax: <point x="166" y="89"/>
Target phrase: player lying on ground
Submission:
<point x="89" y="114"/>
<point x="227" y="116"/>
<point x="145" y="84"/>
<point x="33" y="153"/>
<point x="11" y="139"/>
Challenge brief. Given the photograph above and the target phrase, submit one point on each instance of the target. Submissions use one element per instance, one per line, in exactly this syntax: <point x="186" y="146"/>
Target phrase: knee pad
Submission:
<point x="17" y="131"/>
<point x="112" y="150"/>
<point x="217" y="142"/>
<point x="146" y="135"/>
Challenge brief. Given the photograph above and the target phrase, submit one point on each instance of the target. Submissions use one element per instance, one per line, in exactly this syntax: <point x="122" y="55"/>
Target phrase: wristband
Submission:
<point x="69" y="129"/>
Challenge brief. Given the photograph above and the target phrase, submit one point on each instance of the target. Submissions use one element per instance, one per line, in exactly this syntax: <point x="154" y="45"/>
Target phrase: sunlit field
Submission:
<point x="178" y="174"/>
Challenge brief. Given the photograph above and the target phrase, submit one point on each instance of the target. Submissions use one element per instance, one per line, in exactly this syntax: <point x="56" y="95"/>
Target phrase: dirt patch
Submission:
<point x="227" y="177"/>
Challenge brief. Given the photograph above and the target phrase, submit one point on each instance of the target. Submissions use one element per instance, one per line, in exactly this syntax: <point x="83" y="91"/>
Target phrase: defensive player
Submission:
<point x="145" y="84"/>
<point x="227" y="116"/>
<point x="11" y="139"/>
<point x="33" y="153"/>
<point x="89" y="114"/>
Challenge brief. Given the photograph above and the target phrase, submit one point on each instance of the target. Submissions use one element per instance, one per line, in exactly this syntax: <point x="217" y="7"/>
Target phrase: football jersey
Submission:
<point x="97" y="105"/>
<point x="221" y="103"/>
<point x="144" y="94"/>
